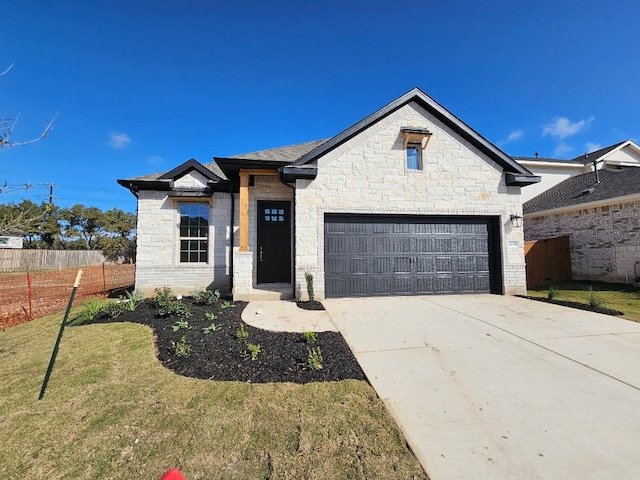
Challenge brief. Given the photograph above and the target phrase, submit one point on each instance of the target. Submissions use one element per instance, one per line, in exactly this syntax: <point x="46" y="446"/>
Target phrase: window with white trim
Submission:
<point x="194" y="232"/>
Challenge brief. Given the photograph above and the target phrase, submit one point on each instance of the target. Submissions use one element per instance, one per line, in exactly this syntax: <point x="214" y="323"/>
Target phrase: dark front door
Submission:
<point x="274" y="242"/>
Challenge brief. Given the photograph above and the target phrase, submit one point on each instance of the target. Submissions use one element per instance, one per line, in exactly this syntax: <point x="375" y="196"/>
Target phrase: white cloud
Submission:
<point x="562" y="127"/>
<point x="118" y="140"/>
<point x="562" y="149"/>
<point x="513" y="136"/>
<point x="592" y="147"/>
<point x="155" y="159"/>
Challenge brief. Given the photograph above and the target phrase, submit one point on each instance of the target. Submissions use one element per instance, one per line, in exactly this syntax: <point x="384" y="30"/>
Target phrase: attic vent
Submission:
<point x="585" y="192"/>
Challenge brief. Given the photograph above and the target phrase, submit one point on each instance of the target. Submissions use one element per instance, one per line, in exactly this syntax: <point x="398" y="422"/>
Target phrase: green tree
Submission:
<point x="83" y="226"/>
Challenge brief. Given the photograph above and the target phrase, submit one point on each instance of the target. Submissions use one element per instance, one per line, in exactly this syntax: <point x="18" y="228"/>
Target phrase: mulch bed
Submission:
<point x="580" y="306"/>
<point x="220" y="355"/>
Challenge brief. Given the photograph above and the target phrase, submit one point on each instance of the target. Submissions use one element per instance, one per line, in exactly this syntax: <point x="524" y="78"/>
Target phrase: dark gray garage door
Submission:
<point x="368" y="255"/>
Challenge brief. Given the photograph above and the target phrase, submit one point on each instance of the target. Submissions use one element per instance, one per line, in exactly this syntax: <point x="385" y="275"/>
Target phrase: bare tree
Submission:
<point x="7" y="125"/>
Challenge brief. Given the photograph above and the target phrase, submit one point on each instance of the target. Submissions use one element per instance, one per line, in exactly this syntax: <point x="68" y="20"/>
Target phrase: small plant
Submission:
<point x="227" y="304"/>
<point x="254" y="350"/>
<point x="309" y="279"/>
<point x="162" y="296"/>
<point x="180" y="324"/>
<point x="552" y="293"/>
<point x="594" y="300"/>
<point x="210" y="316"/>
<point x="114" y="309"/>
<point x="206" y="297"/>
<point x="310" y="337"/>
<point x="181" y="348"/>
<point x="174" y="309"/>
<point x="241" y="332"/>
<point x="211" y="328"/>
<point x="132" y="300"/>
<point x="314" y="358"/>
<point x="89" y="311"/>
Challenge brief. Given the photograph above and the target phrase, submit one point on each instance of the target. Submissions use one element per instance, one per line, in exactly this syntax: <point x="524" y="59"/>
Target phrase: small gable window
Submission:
<point x="415" y="141"/>
<point x="194" y="232"/>
<point x="414" y="157"/>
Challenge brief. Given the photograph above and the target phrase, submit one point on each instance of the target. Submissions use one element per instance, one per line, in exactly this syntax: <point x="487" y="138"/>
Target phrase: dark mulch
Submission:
<point x="308" y="305"/>
<point x="220" y="355"/>
<point x="580" y="306"/>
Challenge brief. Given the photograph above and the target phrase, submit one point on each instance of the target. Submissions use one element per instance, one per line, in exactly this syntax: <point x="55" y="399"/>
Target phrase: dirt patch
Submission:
<point x="220" y="355"/>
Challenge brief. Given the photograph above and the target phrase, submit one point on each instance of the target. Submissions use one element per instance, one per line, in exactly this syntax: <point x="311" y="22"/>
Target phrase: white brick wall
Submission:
<point x="604" y="241"/>
<point x="157" y="257"/>
<point x="368" y="174"/>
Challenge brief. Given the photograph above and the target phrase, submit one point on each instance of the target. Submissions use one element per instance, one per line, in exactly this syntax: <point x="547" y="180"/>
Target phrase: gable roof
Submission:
<point x="581" y="189"/>
<point x="289" y="153"/>
<point x="583" y="159"/>
<point x="435" y="109"/>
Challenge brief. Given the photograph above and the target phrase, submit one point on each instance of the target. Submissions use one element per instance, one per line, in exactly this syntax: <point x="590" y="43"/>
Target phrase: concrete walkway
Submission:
<point x="492" y="387"/>
<point x="286" y="316"/>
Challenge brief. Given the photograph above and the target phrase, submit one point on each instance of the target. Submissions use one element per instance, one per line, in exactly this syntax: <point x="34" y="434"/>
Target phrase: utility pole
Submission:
<point x="51" y="194"/>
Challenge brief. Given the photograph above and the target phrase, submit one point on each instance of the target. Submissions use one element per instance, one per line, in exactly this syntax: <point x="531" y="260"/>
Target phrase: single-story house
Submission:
<point x="553" y="171"/>
<point x="11" y="239"/>
<point x="408" y="200"/>
<point x="600" y="212"/>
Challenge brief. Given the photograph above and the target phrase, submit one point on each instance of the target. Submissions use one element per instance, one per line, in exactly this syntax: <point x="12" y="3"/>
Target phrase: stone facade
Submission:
<point x="604" y="239"/>
<point x="158" y="256"/>
<point x="368" y="174"/>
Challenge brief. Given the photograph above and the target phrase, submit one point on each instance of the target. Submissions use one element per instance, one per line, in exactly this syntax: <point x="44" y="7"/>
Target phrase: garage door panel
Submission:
<point x="382" y="255"/>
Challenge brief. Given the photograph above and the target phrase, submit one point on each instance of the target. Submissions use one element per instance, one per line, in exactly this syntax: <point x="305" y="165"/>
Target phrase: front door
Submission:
<point x="274" y="242"/>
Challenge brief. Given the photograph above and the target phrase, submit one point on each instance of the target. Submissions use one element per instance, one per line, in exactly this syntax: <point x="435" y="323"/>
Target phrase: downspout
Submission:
<point x="293" y="231"/>
<point x="231" y="245"/>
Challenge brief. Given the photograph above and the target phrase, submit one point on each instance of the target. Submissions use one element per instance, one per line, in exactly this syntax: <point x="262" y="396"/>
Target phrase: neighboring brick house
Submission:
<point x="601" y="216"/>
<point x="408" y="200"/>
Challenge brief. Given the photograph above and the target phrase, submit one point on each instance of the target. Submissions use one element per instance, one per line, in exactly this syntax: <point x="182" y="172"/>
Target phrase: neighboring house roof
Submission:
<point x="584" y="159"/>
<point x="581" y="189"/>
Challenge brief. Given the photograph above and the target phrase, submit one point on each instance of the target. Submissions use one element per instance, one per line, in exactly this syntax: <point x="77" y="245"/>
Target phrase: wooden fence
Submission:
<point x="21" y="260"/>
<point x="548" y="261"/>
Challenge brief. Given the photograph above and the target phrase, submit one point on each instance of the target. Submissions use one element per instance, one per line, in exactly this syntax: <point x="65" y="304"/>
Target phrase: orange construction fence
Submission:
<point x="25" y="296"/>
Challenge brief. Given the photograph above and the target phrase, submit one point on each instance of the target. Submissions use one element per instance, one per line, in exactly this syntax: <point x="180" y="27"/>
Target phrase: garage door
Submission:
<point x="369" y="255"/>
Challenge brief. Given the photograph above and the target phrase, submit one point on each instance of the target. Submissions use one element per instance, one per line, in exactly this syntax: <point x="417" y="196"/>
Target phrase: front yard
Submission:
<point x="621" y="297"/>
<point x="112" y="411"/>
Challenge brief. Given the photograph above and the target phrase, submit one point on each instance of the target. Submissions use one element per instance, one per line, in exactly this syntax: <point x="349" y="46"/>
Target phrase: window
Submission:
<point x="414" y="157"/>
<point x="273" y="214"/>
<point x="194" y="232"/>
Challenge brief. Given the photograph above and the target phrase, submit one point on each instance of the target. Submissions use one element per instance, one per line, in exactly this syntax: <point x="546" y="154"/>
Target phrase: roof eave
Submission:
<point x="435" y="109"/>
<point x="517" y="180"/>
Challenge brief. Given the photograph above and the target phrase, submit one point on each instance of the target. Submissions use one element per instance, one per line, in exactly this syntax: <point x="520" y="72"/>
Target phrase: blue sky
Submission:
<point x="141" y="86"/>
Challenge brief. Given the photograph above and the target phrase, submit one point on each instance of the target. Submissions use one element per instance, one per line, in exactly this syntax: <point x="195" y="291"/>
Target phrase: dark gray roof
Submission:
<point x="584" y="189"/>
<point x="590" y="157"/>
<point x="212" y="167"/>
<point x="546" y="159"/>
<point x="288" y="154"/>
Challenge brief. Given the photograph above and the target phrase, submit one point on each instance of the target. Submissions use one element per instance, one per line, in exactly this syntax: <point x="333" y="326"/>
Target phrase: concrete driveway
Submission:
<point x="490" y="387"/>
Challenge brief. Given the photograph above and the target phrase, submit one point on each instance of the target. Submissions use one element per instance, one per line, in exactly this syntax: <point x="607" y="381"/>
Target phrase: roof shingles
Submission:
<point x="585" y="189"/>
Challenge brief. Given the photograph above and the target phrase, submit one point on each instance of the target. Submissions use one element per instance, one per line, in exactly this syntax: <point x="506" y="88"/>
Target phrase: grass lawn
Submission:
<point x="111" y="411"/>
<point x="616" y="296"/>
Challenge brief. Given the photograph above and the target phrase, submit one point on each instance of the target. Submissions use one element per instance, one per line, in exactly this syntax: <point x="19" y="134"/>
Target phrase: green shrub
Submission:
<point x="314" y="358"/>
<point x="162" y="296"/>
<point x="205" y="297"/>
<point x="552" y="293"/>
<point x="309" y="279"/>
<point x="241" y="332"/>
<point x="89" y="311"/>
<point x="254" y="350"/>
<point x="594" y="301"/>
<point x="174" y="309"/>
<point x="181" y="348"/>
<point x="310" y="337"/>
<point x="132" y="300"/>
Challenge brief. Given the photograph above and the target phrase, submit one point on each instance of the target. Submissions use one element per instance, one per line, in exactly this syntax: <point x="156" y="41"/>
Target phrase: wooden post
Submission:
<point x="244" y="212"/>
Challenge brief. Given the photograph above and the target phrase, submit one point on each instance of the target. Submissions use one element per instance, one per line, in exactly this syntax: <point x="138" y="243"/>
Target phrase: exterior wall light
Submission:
<point x="516" y="221"/>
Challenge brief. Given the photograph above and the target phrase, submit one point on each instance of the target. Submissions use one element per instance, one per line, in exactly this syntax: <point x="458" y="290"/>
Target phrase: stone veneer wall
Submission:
<point x="157" y="257"/>
<point x="604" y="240"/>
<point x="368" y="174"/>
<point x="244" y="264"/>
